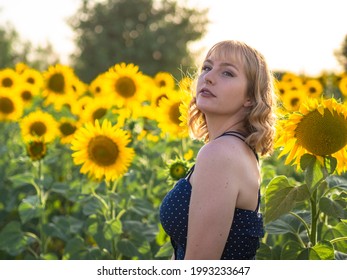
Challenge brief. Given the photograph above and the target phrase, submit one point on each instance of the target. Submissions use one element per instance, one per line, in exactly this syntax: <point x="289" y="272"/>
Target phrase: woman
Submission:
<point x="213" y="212"/>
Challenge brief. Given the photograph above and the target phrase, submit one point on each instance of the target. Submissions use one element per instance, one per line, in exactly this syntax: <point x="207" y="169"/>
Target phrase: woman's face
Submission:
<point x="222" y="87"/>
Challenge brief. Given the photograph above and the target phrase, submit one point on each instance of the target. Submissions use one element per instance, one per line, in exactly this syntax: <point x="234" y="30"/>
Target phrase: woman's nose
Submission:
<point x="209" y="77"/>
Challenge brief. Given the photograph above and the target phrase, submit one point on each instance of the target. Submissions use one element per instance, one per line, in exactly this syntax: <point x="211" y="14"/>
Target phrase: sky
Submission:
<point x="300" y="36"/>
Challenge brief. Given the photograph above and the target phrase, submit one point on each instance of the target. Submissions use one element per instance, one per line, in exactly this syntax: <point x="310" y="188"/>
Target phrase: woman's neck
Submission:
<point x="218" y="125"/>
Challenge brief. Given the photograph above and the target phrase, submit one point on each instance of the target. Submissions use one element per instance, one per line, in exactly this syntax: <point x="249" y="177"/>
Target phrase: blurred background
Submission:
<point x="305" y="37"/>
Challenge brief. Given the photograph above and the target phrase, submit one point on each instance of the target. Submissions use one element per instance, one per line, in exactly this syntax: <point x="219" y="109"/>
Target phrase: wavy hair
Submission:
<point x="260" y="119"/>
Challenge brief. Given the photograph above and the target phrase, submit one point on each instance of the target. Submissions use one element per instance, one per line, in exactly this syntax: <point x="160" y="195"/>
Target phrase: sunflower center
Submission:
<point x="97" y="89"/>
<point x="6" y="105"/>
<point x="36" y="150"/>
<point x="7" y="82"/>
<point x="159" y="98"/>
<point x="31" y="80"/>
<point x="312" y="90"/>
<point x="99" y="113"/>
<point x="57" y="83"/>
<point x="294" y="101"/>
<point x="322" y="135"/>
<point x="26" y="95"/>
<point x="67" y="129"/>
<point x="103" y="151"/>
<point x="174" y="113"/>
<point x="38" y="128"/>
<point x="126" y="87"/>
<point x="162" y="83"/>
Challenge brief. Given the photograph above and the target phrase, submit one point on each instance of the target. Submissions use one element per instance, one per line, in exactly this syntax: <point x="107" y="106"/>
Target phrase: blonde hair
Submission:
<point x="260" y="119"/>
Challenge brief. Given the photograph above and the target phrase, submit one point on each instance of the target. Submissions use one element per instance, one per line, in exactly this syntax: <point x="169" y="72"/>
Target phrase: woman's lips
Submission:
<point x="206" y="92"/>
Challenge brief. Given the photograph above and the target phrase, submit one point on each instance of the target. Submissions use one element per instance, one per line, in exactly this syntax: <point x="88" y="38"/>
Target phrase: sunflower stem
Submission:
<point x="42" y="198"/>
<point x="338" y="239"/>
<point x="103" y="202"/>
<point x="313" y="235"/>
<point x="303" y="222"/>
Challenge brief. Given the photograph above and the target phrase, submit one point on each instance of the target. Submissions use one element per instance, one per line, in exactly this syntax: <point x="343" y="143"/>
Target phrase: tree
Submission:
<point x="14" y="50"/>
<point x="341" y="54"/>
<point x="152" y="34"/>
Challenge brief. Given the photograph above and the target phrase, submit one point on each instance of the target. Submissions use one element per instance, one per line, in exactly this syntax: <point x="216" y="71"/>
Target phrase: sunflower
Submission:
<point x="39" y="125"/>
<point x="185" y="84"/>
<point x="318" y="128"/>
<point x="169" y="114"/>
<point x="11" y="106"/>
<point x="80" y="104"/>
<point x="102" y="150"/>
<point x="36" y="149"/>
<point x="78" y="88"/>
<point x="9" y="78"/>
<point x="126" y="85"/>
<point x="20" y="67"/>
<point x="57" y="83"/>
<point x="27" y="92"/>
<point x="343" y="86"/>
<point x="67" y="128"/>
<point x="313" y="88"/>
<point x="33" y="77"/>
<point x="95" y="110"/>
<point x="292" y="99"/>
<point x="281" y="88"/>
<point x="98" y="86"/>
<point x="164" y="79"/>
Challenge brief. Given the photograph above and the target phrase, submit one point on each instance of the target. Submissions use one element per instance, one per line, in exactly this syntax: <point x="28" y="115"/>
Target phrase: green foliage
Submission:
<point x="306" y="220"/>
<point x="49" y="210"/>
<point x="152" y="34"/>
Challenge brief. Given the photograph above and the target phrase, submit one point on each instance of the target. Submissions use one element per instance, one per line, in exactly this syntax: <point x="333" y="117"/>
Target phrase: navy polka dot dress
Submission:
<point x="244" y="235"/>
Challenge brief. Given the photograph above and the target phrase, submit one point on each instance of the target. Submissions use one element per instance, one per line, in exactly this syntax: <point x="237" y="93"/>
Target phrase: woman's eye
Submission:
<point x="229" y="74"/>
<point x="206" y="68"/>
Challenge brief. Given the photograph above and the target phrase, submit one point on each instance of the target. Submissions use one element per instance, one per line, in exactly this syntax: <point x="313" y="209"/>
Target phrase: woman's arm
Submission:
<point x="215" y="187"/>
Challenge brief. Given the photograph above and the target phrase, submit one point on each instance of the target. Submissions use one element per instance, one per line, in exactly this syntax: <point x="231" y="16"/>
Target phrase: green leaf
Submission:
<point x="112" y="229"/>
<point x="313" y="171"/>
<point x="287" y="224"/>
<point x="323" y="250"/>
<point x="337" y="181"/>
<point x="22" y="179"/>
<point x="330" y="164"/>
<point x="291" y="250"/>
<point x="29" y="208"/>
<point x="141" y="206"/>
<point x="61" y="188"/>
<point x="264" y="252"/>
<point x="12" y="239"/>
<point x="93" y="206"/>
<point x="75" y="249"/>
<point x="165" y="251"/>
<point x="335" y="233"/>
<point x="139" y="230"/>
<point x="332" y="208"/>
<point x="280" y="197"/>
<point x="127" y="248"/>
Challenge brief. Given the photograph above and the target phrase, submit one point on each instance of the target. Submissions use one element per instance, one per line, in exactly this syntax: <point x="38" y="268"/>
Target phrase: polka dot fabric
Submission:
<point x="244" y="235"/>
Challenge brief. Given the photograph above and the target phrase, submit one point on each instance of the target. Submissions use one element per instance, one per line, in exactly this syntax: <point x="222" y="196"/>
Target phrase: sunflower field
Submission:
<point x="84" y="167"/>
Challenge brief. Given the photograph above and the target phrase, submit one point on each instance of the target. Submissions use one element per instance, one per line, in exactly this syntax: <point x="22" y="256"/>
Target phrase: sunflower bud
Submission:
<point x="177" y="169"/>
<point x="36" y="150"/>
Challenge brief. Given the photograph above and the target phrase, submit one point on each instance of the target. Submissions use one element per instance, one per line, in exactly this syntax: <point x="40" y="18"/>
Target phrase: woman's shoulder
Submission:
<point x="223" y="149"/>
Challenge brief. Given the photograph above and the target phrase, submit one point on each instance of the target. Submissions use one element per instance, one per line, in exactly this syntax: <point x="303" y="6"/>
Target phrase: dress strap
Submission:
<point x="190" y="172"/>
<point x="259" y="197"/>
<point x="234" y="133"/>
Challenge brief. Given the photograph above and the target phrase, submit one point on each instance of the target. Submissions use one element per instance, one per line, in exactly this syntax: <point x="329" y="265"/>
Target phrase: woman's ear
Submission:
<point x="248" y="103"/>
